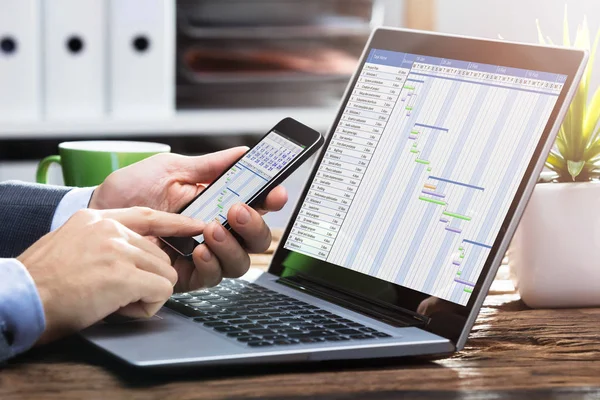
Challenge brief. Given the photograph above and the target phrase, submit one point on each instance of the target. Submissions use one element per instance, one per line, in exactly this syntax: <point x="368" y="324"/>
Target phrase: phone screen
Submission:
<point x="244" y="179"/>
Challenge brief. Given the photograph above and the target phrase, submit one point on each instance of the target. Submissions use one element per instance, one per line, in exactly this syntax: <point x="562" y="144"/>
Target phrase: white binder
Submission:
<point x="75" y="59"/>
<point x="20" y="60"/>
<point x="142" y="58"/>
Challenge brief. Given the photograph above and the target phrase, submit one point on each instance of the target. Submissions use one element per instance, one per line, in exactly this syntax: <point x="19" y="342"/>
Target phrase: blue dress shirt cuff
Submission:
<point x="75" y="200"/>
<point x="22" y="319"/>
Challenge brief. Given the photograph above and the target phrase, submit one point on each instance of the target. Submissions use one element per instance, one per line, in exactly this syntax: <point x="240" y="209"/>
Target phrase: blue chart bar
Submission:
<point x="432" y="127"/>
<point x="232" y="191"/>
<point x="477" y="244"/>
<point x="441" y="196"/>
<point x="464" y="282"/>
<point x="456" y="183"/>
<point x="415" y="80"/>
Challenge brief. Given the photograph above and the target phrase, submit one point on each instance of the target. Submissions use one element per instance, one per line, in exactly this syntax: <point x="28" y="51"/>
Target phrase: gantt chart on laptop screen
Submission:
<point x="422" y="169"/>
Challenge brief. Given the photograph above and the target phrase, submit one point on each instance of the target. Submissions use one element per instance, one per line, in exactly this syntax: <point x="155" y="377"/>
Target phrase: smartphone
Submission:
<point x="279" y="153"/>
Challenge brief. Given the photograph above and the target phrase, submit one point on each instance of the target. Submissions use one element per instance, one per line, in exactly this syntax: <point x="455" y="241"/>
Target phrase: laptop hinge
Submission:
<point x="393" y="315"/>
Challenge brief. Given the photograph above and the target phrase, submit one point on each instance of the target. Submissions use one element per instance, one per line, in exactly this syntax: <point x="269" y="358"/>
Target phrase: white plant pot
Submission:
<point x="555" y="254"/>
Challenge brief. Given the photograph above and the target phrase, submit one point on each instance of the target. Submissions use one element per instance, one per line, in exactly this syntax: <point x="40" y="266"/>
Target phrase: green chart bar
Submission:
<point x="415" y="132"/>
<point x="468" y="290"/>
<point x="409" y="87"/>
<point x="458" y="273"/>
<point x="434" y="201"/>
<point x="453" y="215"/>
<point x="415" y="151"/>
<point x="422" y="161"/>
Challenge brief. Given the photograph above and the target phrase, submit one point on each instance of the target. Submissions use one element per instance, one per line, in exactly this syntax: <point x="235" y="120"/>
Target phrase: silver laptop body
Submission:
<point x="418" y="241"/>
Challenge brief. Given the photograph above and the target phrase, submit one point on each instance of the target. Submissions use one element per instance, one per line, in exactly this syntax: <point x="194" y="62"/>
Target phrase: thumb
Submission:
<point x="206" y="168"/>
<point x="149" y="222"/>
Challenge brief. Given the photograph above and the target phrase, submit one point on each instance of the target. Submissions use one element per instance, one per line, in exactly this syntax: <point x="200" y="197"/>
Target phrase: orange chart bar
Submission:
<point x="432" y="187"/>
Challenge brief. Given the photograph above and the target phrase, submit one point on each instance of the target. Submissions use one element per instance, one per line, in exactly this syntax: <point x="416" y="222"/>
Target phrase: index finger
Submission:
<point x="148" y="222"/>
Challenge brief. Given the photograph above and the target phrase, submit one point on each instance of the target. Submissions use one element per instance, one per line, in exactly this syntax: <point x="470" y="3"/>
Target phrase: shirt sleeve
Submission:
<point x="22" y="319"/>
<point x="75" y="200"/>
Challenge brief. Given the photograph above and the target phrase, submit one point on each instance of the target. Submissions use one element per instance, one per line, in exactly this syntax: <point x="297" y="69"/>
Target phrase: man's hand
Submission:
<point x="168" y="182"/>
<point x="99" y="263"/>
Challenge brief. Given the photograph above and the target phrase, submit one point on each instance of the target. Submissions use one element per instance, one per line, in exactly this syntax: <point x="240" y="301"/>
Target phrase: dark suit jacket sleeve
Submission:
<point x="26" y="212"/>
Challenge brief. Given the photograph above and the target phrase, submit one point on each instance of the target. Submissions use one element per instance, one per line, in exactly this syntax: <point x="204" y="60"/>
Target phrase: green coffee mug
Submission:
<point x="88" y="163"/>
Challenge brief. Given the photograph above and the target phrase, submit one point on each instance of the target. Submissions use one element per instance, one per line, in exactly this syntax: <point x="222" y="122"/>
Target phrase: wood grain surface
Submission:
<point x="513" y="352"/>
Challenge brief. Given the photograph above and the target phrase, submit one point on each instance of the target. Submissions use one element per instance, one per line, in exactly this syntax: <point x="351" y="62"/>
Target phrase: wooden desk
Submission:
<point x="513" y="351"/>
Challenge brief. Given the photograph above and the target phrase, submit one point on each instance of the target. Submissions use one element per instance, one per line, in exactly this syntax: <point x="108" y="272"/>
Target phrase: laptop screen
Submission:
<point x="422" y="168"/>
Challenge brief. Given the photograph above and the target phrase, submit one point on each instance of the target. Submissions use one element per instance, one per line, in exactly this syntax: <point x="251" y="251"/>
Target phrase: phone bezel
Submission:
<point x="291" y="129"/>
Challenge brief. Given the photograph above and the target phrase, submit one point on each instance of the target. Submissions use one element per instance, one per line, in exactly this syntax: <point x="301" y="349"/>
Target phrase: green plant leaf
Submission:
<point x="575" y="168"/>
<point x="592" y="115"/>
<point x="540" y="34"/>
<point x="576" y="154"/>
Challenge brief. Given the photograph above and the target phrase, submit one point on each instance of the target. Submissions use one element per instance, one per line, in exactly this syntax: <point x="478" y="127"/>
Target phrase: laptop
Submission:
<point x="403" y="222"/>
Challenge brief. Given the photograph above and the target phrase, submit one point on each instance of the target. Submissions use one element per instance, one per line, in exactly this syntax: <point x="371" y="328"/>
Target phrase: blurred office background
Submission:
<point x="203" y="75"/>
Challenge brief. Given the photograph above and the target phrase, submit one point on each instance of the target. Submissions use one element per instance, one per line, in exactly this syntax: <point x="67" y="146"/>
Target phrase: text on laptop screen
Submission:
<point x="422" y="169"/>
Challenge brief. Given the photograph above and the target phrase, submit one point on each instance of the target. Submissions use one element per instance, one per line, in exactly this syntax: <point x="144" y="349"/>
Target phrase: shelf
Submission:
<point x="197" y="122"/>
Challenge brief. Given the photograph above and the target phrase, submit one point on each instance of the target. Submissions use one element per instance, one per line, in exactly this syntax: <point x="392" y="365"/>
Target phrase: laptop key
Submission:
<point x="221" y="302"/>
<point x="368" y="330"/>
<point x="261" y="331"/>
<point x="228" y="316"/>
<point x="324" y="312"/>
<point x="242" y="312"/>
<point x="273" y="337"/>
<point x="238" y="334"/>
<point x="239" y="321"/>
<point x="224" y="329"/>
<point x="289" y="331"/>
<point x="278" y="315"/>
<point x="260" y="344"/>
<point x="246" y="339"/>
<point x="309" y="307"/>
<point x="183" y="309"/>
<point x="361" y="337"/>
<point x="255" y="316"/>
<point x="380" y="334"/>
<point x="214" y="324"/>
<point x="312" y="340"/>
<point x="301" y="335"/>
<point x="265" y="321"/>
<point x="355" y="325"/>
<point x="266" y="310"/>
<point x="277" y="326"/>
<point x="284" y="342"/>
<point x="202" y="305"/>
<point x="250" y="326"/>
<point x="323" y="321"/>
<point x="348" y="332"/>
<point x="336" y="338"/>
<point x="288" y="319"/>
<point x="334" y="326"/>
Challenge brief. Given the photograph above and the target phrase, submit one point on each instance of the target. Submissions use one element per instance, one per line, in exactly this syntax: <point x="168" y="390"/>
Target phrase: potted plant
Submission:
<point x="555" y="254"/>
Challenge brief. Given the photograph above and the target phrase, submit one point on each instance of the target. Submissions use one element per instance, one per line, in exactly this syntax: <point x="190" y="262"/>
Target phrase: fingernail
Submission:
<point x="206" y="256"/>
<point x="243" y="216"/>
<point x="219" y="233"/>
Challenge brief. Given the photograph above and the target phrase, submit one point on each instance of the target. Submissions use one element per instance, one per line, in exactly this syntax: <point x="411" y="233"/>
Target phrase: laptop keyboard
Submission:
<point x="259" y="317"/>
